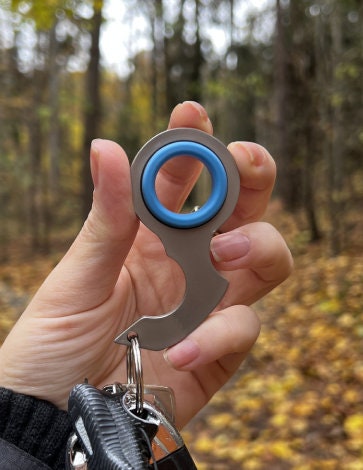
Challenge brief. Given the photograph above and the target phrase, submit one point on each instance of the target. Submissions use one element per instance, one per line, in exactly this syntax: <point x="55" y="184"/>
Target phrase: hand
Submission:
<point x="117" y="270"/>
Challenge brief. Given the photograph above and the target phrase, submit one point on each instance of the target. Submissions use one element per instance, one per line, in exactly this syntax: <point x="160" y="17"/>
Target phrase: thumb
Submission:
<point x="87" y="274"/>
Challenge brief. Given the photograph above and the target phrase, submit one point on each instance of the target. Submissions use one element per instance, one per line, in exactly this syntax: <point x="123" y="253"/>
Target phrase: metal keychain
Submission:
<point x="186" y="237"/>
<point x="120" y="428"/>
<point x="160" y="396"/>
<point x="167" y="439"/>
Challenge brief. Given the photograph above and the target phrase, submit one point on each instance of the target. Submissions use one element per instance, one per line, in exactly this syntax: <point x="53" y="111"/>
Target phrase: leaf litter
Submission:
<point x="297" y="401"/>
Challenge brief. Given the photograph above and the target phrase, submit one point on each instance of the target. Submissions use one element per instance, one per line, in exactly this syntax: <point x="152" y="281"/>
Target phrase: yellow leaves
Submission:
<point x="279" y="419"/>
<point x="98" y="5"/>
<point x="6" y="321"/>
<point x="355" y="465"/>
<point x="281" y="450"/>
<point x="346" y="320"/>
<point x="18" y="282"/>
<point x="247" y="404"/>
<point x="353" y="426"/>
<point x="298" y="401"/>
<point x="307" y="406"/>
<point x="204" y="444"/>
<point x="330" y="306"/>
<point x="351" y="396"/>
<point x="358" y="371"/>
<point x="221" y="420"/>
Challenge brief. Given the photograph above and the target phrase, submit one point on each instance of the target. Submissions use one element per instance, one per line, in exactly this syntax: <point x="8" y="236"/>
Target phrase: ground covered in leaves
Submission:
<point x="297" y="402"/>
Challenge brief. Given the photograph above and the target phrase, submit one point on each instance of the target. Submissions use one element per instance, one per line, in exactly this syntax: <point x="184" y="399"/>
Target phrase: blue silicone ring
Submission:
<point x="218" y="176"/>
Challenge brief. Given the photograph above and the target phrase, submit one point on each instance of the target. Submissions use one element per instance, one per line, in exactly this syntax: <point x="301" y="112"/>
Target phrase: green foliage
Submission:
<point x="43" y="17"/>
<point x="44" y="14"/>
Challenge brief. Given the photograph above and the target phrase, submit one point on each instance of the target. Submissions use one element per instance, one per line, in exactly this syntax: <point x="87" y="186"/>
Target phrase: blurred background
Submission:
<point x="284" y="73"/>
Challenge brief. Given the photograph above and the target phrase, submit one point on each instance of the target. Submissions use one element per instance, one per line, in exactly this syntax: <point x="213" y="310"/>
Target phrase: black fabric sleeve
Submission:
<point x="35" y="426"/>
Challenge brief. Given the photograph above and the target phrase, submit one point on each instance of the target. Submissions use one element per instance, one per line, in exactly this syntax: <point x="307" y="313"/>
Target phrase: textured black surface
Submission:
<point x="13" y="458"/>
<point x="115" y="437"/>
<point x="36" y="427"/>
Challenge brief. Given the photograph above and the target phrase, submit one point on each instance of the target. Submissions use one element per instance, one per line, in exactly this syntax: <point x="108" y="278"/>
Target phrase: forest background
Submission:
<point x="287" y="74"/>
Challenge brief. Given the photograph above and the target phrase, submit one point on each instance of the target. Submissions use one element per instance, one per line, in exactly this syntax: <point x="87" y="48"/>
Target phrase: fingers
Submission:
<point x="87" y="274"/>
<point x="255" y="259"/>
<point x="177" y="177"/>
<point x="190" y="114"/>
<point x="258" y="246"/>
<point x="226" y="336"/>
<point x="257" y="171"/>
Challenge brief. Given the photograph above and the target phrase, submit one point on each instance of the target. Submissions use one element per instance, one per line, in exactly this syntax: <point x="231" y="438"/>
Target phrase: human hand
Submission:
<point x="117" y="270"/>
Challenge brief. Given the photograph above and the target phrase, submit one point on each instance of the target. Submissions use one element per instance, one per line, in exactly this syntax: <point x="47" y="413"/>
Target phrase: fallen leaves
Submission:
<point x="18" y="282"/>
<point x="297" y="402"/>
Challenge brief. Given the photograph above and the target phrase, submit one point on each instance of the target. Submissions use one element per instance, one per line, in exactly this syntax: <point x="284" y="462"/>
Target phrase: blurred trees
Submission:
<point x="319" y="68"/>
<point x="288" y="76"/>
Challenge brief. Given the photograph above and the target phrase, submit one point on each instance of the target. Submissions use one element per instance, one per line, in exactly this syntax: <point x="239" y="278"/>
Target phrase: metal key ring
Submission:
<point x="186" y="237"/>
<point x="134" y="371"/>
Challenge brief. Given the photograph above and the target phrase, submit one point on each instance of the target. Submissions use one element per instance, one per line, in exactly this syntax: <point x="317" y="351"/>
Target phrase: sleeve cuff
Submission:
<point x="35" y="426"/>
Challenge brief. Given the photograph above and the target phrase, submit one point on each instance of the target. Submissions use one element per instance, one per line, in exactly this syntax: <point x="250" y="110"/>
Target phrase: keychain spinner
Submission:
<point x="186" y="237"/>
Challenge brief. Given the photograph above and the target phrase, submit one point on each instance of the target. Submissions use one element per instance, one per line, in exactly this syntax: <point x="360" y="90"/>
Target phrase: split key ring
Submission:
<point x="186" y="237"/>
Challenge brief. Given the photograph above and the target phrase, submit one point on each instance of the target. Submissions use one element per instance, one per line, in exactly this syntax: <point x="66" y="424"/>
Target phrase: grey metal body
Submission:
<point x="190" y="247"/>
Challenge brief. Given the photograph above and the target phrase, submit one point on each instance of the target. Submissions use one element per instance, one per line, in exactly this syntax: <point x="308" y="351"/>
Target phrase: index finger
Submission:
<point x="257" y="171"/>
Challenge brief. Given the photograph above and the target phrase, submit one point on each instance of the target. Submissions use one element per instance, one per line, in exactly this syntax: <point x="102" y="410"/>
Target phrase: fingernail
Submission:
<point x="182" y="354"/>
<point x="202" y="113"/>
<point x="257" y="154"/>
<point x="229" y="246"/>
<point x="94" y="161"/>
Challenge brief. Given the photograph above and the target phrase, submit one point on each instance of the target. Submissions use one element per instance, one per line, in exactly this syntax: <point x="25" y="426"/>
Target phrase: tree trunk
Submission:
<point x="336" y="170"/>
<point x="308" y="178"/>
<point x="282" y="183"/>
<point x="35" y="196"/>
<point x="195" y="86"/>
<point x="158" y="59"/>
<point x="92" y="114"/>
<point x="54" y="145"/>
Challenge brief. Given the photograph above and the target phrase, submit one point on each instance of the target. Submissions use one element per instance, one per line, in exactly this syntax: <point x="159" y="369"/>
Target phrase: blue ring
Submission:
<point x="215" y="200"/>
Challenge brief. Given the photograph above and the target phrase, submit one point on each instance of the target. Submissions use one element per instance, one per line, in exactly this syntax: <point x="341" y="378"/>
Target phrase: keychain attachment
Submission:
<point x="135" y="377"/>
